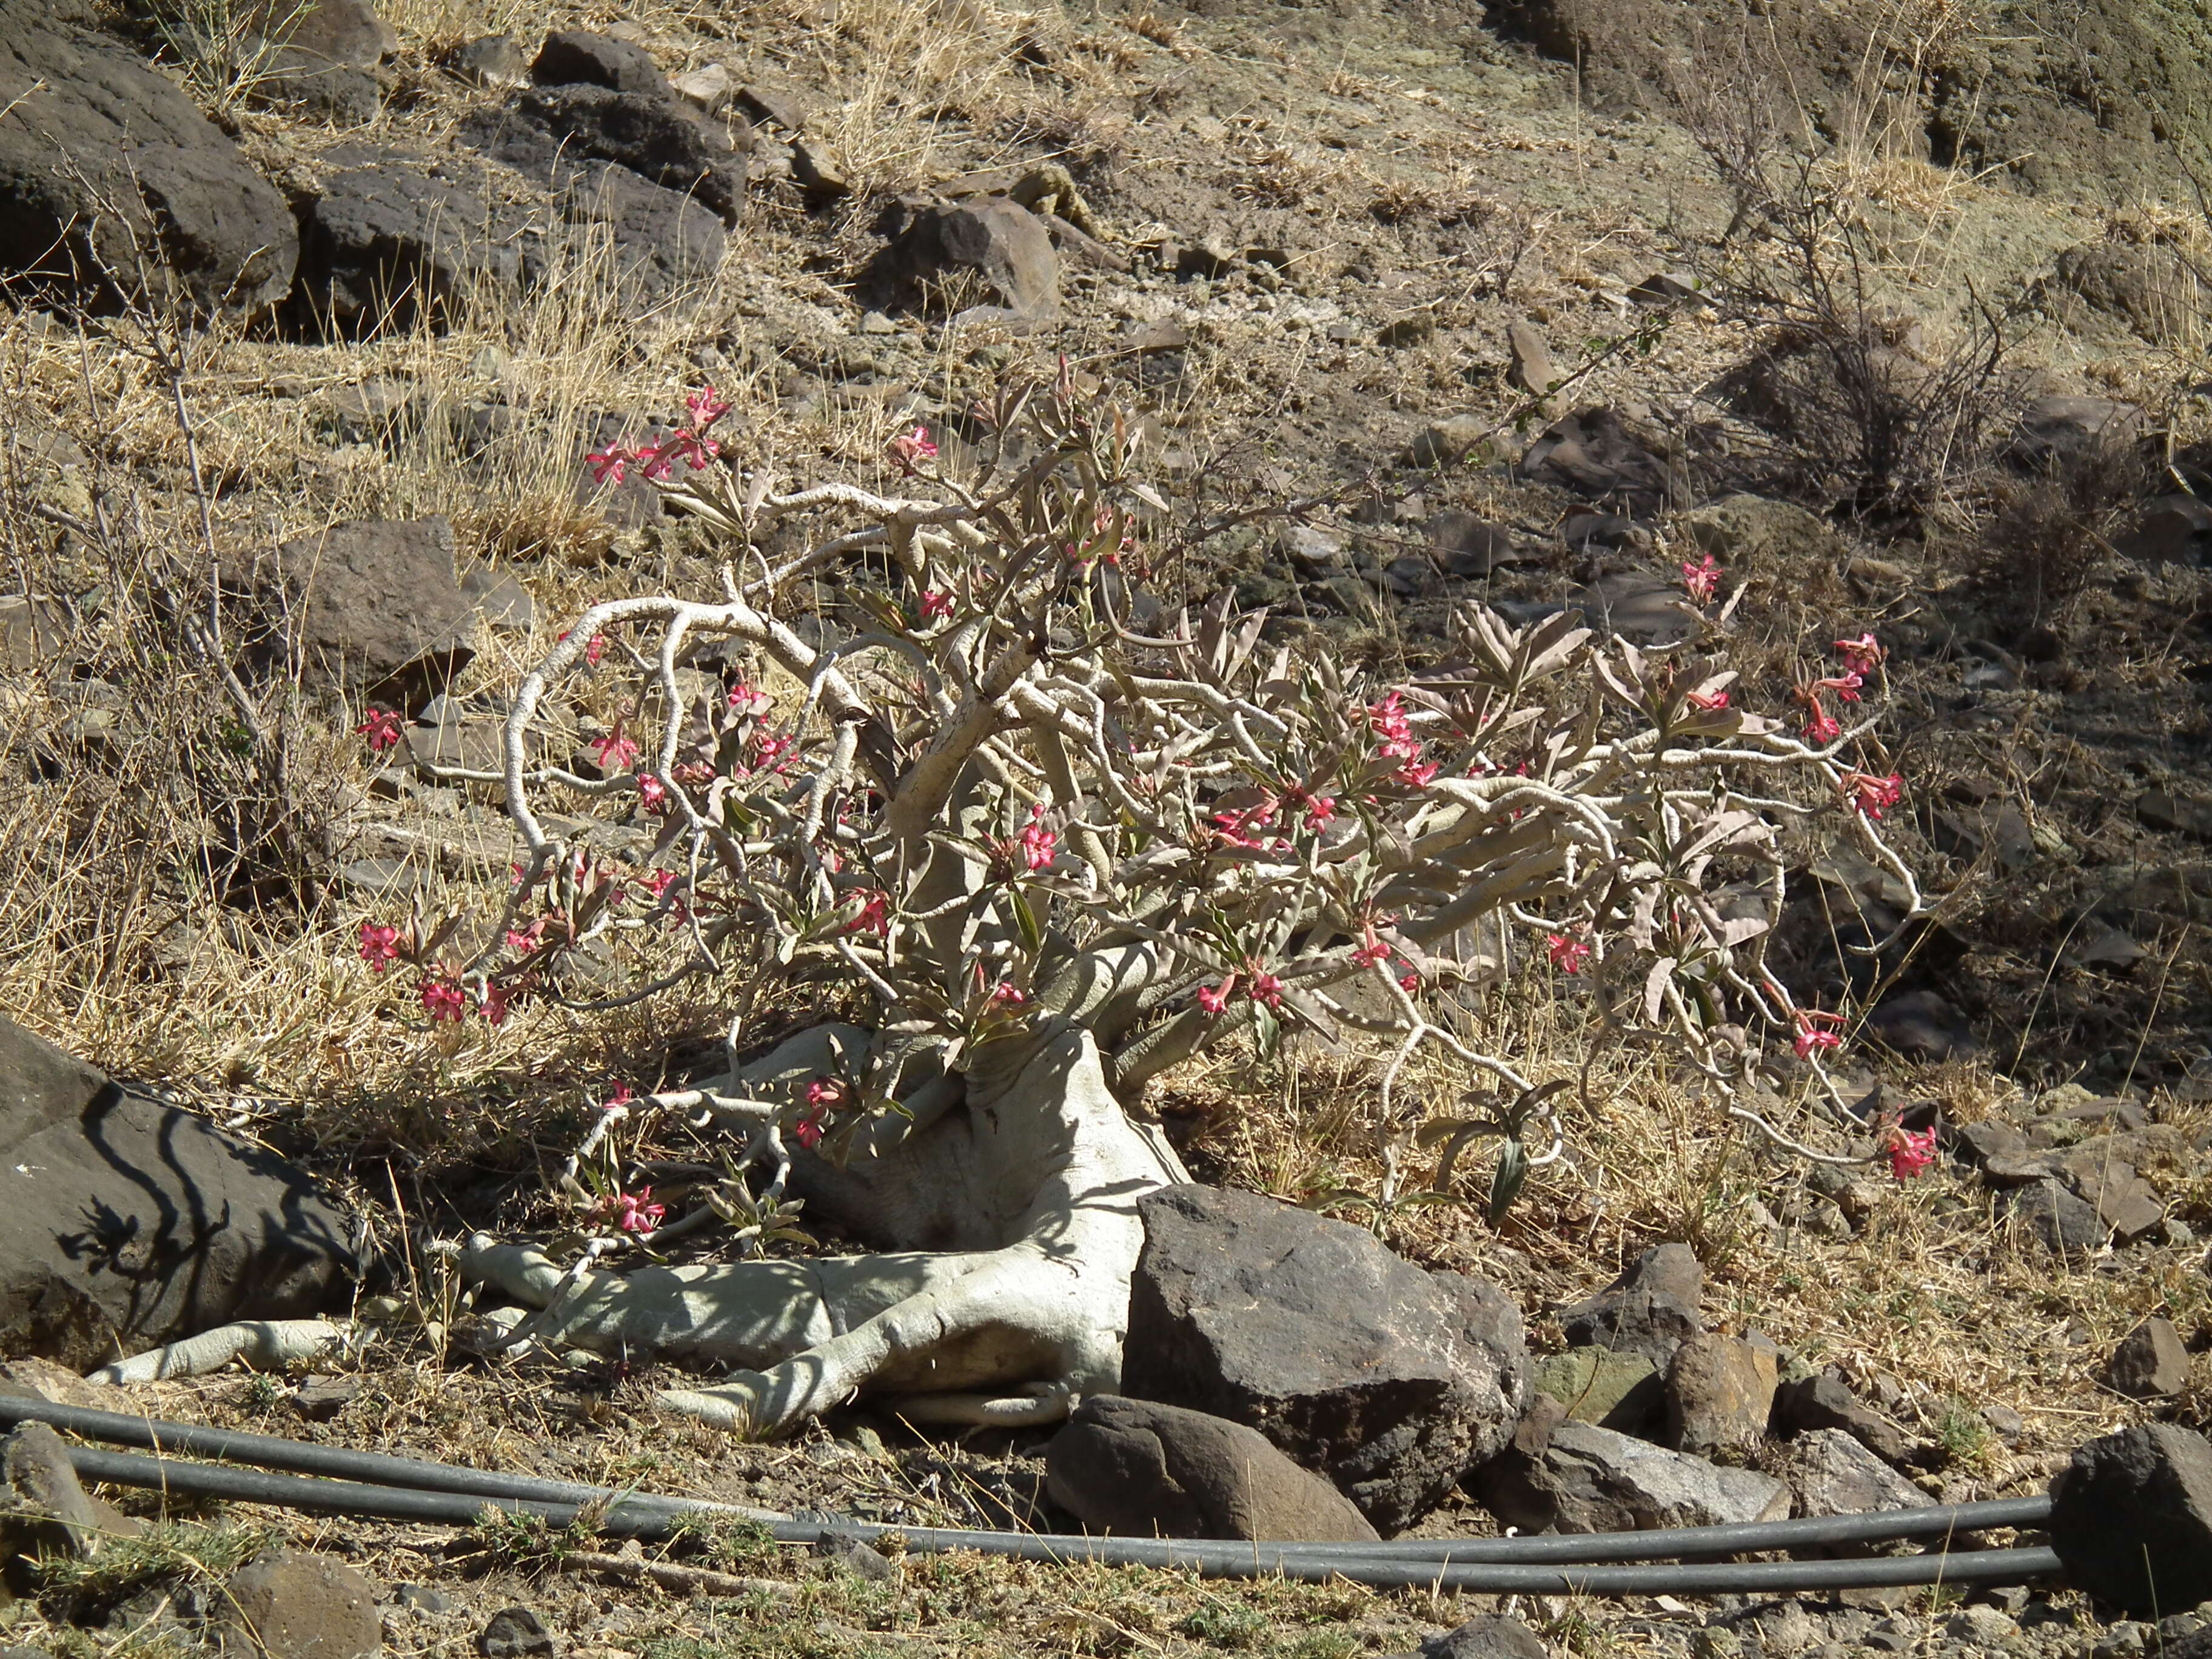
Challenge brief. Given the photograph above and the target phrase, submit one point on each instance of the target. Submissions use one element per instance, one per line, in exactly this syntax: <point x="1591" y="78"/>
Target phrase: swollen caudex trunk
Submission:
<point x="1018" y="1208"/>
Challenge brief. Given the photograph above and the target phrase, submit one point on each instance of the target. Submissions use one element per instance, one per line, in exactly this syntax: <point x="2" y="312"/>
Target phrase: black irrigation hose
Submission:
<point x="1221" y="1560"/>
<point x="380" y="1468"/>
<point x="417" y="1489"/>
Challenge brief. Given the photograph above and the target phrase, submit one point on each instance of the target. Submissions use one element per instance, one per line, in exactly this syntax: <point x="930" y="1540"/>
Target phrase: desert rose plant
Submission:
<point x="1055" y="841"/>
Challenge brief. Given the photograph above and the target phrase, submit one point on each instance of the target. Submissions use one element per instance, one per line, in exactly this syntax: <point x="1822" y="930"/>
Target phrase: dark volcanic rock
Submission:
<point x="2150" y="1361"/>
<point x="990" y="237"/>
<point x="574" y="58"/>
<point x="1143" y="1469"/>
<point x="661" y="237"/>
<point x="1827" y="1402"/>
<point x="1651" y="1309"/>
<point x="374" y="608"/>
<point x="2131" y="1517"/>
<point x="134" y="1224"/>
<point x="387" y="241"/>
<point x="1391" y="1380"/>
<point x="550" y="130"/>
<point x="109" y="176"/>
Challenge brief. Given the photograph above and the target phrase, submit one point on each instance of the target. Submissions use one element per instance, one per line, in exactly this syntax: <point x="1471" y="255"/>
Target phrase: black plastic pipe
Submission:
<point x="304" y="1457"/>
<point x="1233" y="1560"/>
<point x="632" y="1508"/>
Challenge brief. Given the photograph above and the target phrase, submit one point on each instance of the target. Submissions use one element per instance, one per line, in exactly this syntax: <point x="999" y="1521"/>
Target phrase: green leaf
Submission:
<point x="1505" y="1184"/>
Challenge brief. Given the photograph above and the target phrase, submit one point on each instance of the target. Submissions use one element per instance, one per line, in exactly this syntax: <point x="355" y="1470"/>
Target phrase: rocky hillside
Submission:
<point x="310" y="318"/>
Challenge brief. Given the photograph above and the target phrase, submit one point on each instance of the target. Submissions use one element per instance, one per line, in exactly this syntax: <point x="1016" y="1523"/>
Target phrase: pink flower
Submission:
<point x="1372" y="951"/>
<point x="1267" y="988"/>
<point x="379" y="946"/>
<point x="1321" y="811"/>
<point x="496" y="1000"/>
<point x="1910" y="1152"/>
<point x="1871" y="795"/>
<point x="658" y="883"/>
<point x="875" y="914"/>
<point x="1410" y="981"/>
<point x="636" y="1213"/>
<point x="1812" y="1033"/>
<point x="1703" y="580"/>
<point x="1821" y="726"/>
<point x="1416" y="775"/>
<point x="523" y="941"/>
<point x="621" y="1097"/>
<point x="1039" y="844"/>
<point x="1709" y="702"/>
<point x="911" y="446"/>
<point x="1393" y="725"/>
<point x="829" y="1094"/>
<point x="746" y="699"/>
<point x="652" y="792"/>
<point x="442" y="996"/>
<point x="609" y="465"/>
<point x="1861" y="655"/>
<point x="935" y="605"/>
<point x="1214" y="998"/>
<point x="696" y="773"/>
<point x="616" y="752"/>
<point x="694" y="450"/>
<point x="773" y="754"/>
<point x="1845" y="686"/>
<point x="807" y="1131"/>
<point x="1568" y="953"/>
<point x="382" y="728"/>
<point x="1009" y="995"/>
<point x="705" y="408"/>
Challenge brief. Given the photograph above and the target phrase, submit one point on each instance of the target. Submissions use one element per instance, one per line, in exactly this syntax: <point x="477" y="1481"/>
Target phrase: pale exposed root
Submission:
<point x="1047" y="1168"/>
<point x="266" y="1344"/>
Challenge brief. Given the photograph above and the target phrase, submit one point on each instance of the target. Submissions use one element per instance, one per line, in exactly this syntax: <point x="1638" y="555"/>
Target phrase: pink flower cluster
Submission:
<point x="636" y="1213"/>
<point x="825" y="1096"/>
<point x="911" y="446"/>
<point x="1910" y="1151"/>
<point x="383" y="728"/>
<point x="1568" y="953"/>
<point x="1254" y="980"/>
<point x="688" y="444"/>
<point x="1039" y="845"/>
<point x="1860" y="656"/>
<point x="1871" y="795"/>
<point x="1702" y="580"/>
<point x="1395" y="728"/>
<point x="1816" y="1032"/>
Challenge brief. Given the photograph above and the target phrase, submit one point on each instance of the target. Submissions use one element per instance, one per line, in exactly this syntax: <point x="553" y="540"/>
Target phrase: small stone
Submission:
<point x="854" y="1553"/>
<point x="1664" y="287"/>
<point x="1137" y="1467"/>
<point x="818" y="175"/>
<point x="515" y="1634"/>
<point x="1720" y="1395"/>
<point x="289" y="1604"/>
<point x="1310" y="547"/>
<point x="1891" y="1635"/>
<point x="1827" y="1402"/>
<point x="1447" y="441"/>
<point x="51" y="1510"/>
<point x="1651" y="1309"/>
<point x="1530" y="368"/>
<point x="2005" y="1423"/>
<point x="320" y="1399"/>
<point x="420" y="1598"/>
<point x="1984" y="1627"/>
<point x="491" y="60"/>
<point x="875" y="322"/>
<point x="2150" y="1362"/>
<point x="2124" y="1639"/>
<point x="709" y="88"/>
<point x="2058" y="1219"/>
<point x="1493" y="1636"/>
<point x="504" y="603"/>
<point x="1586" y="1478"/>
<point x="576" y="57"/>
<point x="775" y="109"/>
<point x="1834" y="1474"/>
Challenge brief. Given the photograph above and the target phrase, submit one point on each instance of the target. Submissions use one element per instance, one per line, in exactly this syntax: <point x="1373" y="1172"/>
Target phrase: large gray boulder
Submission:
<point x="549" y="131"/>
<point x="129" y="1224"/>
<point x="110" y="179"/>
<point x="1142" y="1469"/>
<point x="1391" y="1380"/>
<point x="990" y="239"/>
